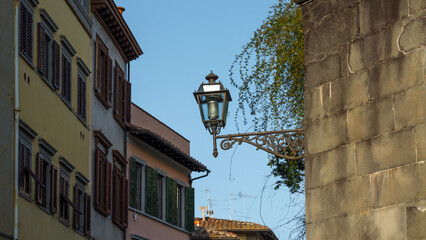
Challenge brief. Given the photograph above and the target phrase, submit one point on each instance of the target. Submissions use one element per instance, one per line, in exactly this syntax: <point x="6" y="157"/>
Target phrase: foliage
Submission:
<point x="290" y="173"/>
<point x="270" y="70"/>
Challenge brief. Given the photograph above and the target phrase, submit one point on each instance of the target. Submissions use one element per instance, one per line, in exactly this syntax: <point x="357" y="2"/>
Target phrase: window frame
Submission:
<point x="120" y="190"/>
<point x="103" y="73"/>
<point x="64" y="214"/>
<point x="141" y="185"/>
<point x="49" y="27"/>
<point x="103" y="174"/>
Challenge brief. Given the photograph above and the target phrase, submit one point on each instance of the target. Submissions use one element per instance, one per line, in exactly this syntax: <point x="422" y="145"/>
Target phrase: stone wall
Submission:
<point x="365" y="119"/>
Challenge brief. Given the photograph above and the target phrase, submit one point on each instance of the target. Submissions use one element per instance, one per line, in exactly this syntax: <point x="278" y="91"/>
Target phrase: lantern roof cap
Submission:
<point x="212" y="77"/>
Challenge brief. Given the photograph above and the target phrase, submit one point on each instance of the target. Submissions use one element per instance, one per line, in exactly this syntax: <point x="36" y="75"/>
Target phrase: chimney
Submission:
<point x="121" y="10"/>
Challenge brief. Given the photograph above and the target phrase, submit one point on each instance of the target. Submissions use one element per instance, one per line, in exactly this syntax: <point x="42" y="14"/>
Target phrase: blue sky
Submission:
<point x="182" y="41"/>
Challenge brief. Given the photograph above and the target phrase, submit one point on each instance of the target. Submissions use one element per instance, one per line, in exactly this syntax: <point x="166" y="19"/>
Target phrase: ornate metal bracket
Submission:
<point x="288" y="144"/>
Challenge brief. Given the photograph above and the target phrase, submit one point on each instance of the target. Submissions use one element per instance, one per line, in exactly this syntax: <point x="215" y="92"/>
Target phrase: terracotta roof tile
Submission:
<point x="223" y="224"/>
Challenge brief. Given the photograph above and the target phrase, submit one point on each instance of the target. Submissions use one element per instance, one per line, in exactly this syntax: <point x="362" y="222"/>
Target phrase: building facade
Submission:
<point x="54" y="114"/>
<point x="113" y="47"/>
<point x="161" y="197"/>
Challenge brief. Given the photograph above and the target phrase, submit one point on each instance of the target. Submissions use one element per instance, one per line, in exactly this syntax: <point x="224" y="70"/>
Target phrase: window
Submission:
<point x="137" y="183"/>
<point x="25" y="156"/>
<point x="82" y="201"/>
<point x="103" y="81"/>
<point x="26" y="31"/>
<point x="122" y="98"/>
<point x="66" y="77"/>
<point x="120" y="191"/>
<point x="102" y="174"/>
<point x="64" y="191"/>
<point x="81" y="97"/>
<point x="47" y="175"/>
<point x="48" y="61"/>
<point x="160" y="195"/>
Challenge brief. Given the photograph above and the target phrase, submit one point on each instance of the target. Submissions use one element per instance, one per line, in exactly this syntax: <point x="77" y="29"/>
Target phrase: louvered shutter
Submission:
<point x="109" y="82"/>
<point x="128" y="99"/>
<point x="133" y="183"/>
<point x="22" y="26"/>
<point x="116" y="92"/>
<point x="189" y="209"/>
<point x="81" y="100"/>
<point x="26" y="31"/>
<point x="97" y="178"/>
<point x="98" y="68"/>
<point x="21" y="180"/>
<point x="68" y="93"/>
<point x="150" y="191"/>
<point x="67" y="194"/>
<point x="171" y="201"/>
<point x="115" y="194"/>
<point x="87" y="204"/>
<point x="29" y="35"/>
<point x="75" y="213"/>
<point x="66" y="79"/>
<point x="125" y="202"/>
<point x="107" y="175"/>
<point x="42" y="50"/>
<point x="40" y="176"/>
<point x="53" y="189"/>
<point x="28" y="155"/>
<point x="56" y="64"/>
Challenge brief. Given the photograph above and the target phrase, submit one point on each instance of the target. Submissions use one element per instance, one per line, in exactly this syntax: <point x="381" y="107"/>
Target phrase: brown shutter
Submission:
<point x="21" y="179"/>
<point x="56" y="64"/>
<point x="39" y="189"/>
<point x="41" y="57"/>
<point x="74" y="212"/>
<point x="116" y="92"/>
<point x="69" y="81"/>
<point x="109" y="82"/>
<point x="125" y="201"/>
<point x="87" y="205"/>
<point x="107" y="175"/>
<point x="98" y="67"/>
<point x="128" y="91"/>
<point x="81" y="101"/>
<point x="97" y="178"/>
<point x="29" y="35"/>
<point x="53" y="189"/>
<point x="22" y="20"/>
<point x="115" y="193"/>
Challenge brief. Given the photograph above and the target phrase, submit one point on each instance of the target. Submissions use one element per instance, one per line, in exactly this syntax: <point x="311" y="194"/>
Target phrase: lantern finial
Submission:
<point x="211" y="77"/>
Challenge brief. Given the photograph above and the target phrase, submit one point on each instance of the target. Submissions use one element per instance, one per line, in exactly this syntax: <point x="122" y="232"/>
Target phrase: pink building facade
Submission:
<point x="161" y="199"/>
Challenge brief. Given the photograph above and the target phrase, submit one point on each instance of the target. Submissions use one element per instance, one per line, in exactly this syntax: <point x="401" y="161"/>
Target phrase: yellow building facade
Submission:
<point x="54" y="68"/>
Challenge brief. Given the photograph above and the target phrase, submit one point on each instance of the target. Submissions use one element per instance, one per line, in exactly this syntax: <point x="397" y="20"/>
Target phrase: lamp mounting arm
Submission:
<point x="288" y="144"/>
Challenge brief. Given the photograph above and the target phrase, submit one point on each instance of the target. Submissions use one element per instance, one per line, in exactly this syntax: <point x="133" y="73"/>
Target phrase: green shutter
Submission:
<point x="151" y="191"/>
<point x="171" y="201"/>
<point x="133" y="183"/>
<point x="189" y="209"/>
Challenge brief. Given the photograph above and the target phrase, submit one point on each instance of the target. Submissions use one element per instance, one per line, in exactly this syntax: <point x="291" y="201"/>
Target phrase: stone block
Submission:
<point x="410" y="107"/>
<point x="326" y="134"/>
<point x="344" y="227"/>
<point x="323" y="71"/>
<point x="315" y="230"/>
<point x="337" y="96"/>
<point x="397" y="75"/>
<point x="421" y="142"/>
<point x="417" y="5"/>
<point x="393" y="32"/>
<point x="413" y="35"/>
<point x="367" y="51"/>
<point x="346" y="197"/>
<point x="384" y="152"/>
<point x="332" y="30"/>
<point x="331" y="166"/>
<point x="377" y="13"/>
<point x="384" y="224"/>
<point x="314" y="205"/>
<point x="416" y="222"/>
<point x="371" y="119"/>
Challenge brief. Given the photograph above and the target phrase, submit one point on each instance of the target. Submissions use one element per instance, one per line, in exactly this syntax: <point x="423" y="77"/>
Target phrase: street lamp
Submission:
<point x="213" y="100"/>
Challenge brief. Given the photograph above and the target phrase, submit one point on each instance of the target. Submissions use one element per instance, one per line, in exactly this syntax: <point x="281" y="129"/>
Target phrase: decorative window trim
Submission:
<point x="48" y="20"/>
<point x="34" y="3"/>
<point x="68" y="46"/>
<point x="65" y="163"/>
<point x="137" y="237"/>
<point x="27" y="129"/>
<point x="83" y="67"/>
<point x="81" y="14"/>
<point x="43" y="143"/>
<point x="80" y="177"/>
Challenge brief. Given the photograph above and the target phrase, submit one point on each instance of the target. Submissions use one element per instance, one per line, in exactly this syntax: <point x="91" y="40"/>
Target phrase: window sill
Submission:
<point x="119" y="121"/>
<point x="27" y="60"/>
<point x="45" y="209"/>
<point x="102" y="100"/>
<point x="25" y="196"/>
<point x="101" y="211"/>
<point x="118" y="224"/>
<point x="158" y="220"/>
<point x="65" y="222"/>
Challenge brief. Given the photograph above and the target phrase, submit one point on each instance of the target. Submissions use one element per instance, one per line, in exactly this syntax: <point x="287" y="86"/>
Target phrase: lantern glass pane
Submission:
<point x="211" y="87"/>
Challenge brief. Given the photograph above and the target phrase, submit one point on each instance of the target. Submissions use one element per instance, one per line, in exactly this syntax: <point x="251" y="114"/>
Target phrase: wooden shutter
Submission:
<point x="22" y="25"/>
<point x="41" y="57"/>
<point x="109" y="82"/>
<point x="128" y="99"/>
<point x="115" y="194"/>
<point x="125" y="206"/>
<point x="66" y="194"/>
<point x="87" y="213"/>
<point x="66" y="79"/>
<point x="189" y="209"/>
<point x="53" y="189"/>
<point x="26" y="32"/>
<point x="116" y="91"/>
<point x="97" y="178"/>
<point x="169" y="195"/>
<point x="98" y="67"/>
<point x="81" y="100"/>
<point x="150" y="191"/>
<point x="29" y="35"/>
<point x="56" y="64"/>
<point x="133" y="183"/>
<point x="40" y="176"/>
<point x="107" y="191"/>
<point x="75" y="213"/>
<point x="21" y="180"/>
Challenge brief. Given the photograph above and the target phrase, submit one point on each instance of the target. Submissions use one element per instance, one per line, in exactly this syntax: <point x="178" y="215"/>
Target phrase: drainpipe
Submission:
<point x="193" y="179"/>
<point x="125" y="143"/>
<point x="15" y="195"/>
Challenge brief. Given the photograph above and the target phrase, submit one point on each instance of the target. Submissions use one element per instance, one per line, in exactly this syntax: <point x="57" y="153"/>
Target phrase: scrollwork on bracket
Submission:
<point x="288" y="144"/>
